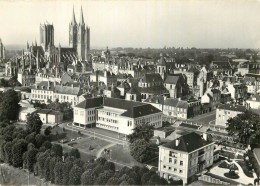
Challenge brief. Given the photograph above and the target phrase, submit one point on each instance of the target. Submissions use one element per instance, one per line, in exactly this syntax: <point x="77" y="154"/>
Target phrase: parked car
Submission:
<point x="72" y="140"/>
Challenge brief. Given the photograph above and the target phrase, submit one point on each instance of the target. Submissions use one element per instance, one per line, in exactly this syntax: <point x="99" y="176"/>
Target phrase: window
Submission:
<point x="175" y="161"/>
<point x="170" y="160"/>
<point x="180" y="171"/>
<point x="164" y="167"/>
<point x="181" y="163"/>
<point x="170" y="168"/>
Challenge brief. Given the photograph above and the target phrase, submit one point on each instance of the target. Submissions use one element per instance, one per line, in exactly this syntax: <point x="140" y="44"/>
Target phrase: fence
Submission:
<point x="209" y="179"/>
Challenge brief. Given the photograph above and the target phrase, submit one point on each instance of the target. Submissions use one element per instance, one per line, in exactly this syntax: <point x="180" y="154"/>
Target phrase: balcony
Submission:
<point x="201" y="153"/>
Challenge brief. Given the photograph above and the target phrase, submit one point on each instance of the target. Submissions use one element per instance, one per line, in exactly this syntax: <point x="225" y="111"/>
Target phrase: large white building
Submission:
<point x="48" y="91"/>
<point x="122" y="116"/>
<point x="185" y="156"/>
<point x="85" y="112"/>
<point x="223" y="113"/>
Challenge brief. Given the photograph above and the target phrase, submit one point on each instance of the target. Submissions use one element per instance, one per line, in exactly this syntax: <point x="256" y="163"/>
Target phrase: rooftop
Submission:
<point x="233" y="107"/>
<point x="133" y="109"/>
<point x="90" y="103"/>
<point x="188" y="143"/>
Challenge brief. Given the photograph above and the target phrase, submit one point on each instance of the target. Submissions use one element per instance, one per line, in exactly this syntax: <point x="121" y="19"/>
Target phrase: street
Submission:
<point x="204" y="119"/>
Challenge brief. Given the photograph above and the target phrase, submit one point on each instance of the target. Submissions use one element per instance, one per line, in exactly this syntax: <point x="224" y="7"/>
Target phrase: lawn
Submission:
<point x="245" y="169"/>
<point x="225" y="165"/>
<point x="15" y="176"/>
<point x="121" y="154"/>
<point x="58" y="131"/>
<point x="89" y="145"/>
<point x="83" y="155"/>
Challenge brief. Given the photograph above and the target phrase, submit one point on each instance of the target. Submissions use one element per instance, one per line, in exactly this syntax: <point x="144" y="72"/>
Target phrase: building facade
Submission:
<point x="122" y="116"/>
<point x="185" y="156"/>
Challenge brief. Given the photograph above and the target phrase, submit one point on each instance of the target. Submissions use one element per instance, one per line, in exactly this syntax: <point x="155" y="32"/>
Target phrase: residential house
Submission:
<point x="223" y="113"/>
<point x="185" y="156"/>
<point x="177" y="86"/>
<point x="49" y="116"/>
<point x="211" y="96"/>
<point x="151" y="85"/>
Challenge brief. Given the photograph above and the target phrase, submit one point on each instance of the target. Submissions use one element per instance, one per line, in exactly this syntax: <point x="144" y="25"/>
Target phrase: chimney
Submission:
<point x="177" y="141"/>
<point x="72" y="85"/>
<point x="205" y="136"/>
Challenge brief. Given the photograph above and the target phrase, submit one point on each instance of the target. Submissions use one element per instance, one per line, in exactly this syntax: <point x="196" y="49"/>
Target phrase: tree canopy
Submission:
<point x="9" y="105"/>
<point x="244" y="128"/>
<point x="34" y="123"/>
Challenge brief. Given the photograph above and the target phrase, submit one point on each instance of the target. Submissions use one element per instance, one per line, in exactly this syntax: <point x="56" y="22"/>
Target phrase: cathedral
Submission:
<point x="79" y="36"/>
<point x="2" y="50"/>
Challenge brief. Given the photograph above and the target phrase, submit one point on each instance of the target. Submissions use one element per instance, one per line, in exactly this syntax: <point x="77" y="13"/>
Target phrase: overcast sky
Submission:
<point x="138" y="23"/>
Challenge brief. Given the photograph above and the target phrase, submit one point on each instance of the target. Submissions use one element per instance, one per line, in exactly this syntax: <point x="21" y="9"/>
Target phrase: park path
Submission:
<point x="244" y="179"/>
<point x="103" y="148"/>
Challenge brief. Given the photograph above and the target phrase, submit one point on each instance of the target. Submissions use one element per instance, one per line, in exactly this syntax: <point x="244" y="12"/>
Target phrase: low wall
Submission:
<point x="209" y="179"/>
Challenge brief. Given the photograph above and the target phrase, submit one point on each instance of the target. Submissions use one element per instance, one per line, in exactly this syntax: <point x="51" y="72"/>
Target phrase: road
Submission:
<point x="204" y="119"/>
<point x="95" y="133"/>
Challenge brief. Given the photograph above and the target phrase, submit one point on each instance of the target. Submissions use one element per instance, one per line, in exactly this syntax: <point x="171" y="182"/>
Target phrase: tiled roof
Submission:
<point x="133" y="109"/>
<point x="133" y="91"/>
<point x="68" y="90"/>
<point x="43" y="111"/>
<point x="176" y="103"/>
<point x="90" y="103"/>
<point x="43" y="85"/>
<point x="188" y="143"/>
<point x="238" y="108"/>
<point x="171" y="79"/>
<point x="155" y="99"/>
<point x="151" y="78"/>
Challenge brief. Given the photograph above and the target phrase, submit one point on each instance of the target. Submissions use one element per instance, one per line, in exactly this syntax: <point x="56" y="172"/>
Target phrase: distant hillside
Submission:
<point x="15" y="47"/>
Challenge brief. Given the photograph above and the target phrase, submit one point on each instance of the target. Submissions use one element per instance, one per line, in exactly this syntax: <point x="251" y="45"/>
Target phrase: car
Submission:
<point x="78" y="138"/>
<point x="64" y="141"/>
<point x="72" y="140"/>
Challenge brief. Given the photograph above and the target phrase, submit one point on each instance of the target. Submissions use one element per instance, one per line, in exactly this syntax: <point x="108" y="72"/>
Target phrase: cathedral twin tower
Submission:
<point x="79" y="36"/>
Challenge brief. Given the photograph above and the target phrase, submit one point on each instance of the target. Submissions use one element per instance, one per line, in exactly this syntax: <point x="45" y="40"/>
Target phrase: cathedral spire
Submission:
<point x="37" y="60"/>
<point x="81" y="17"/>
<point x="73" y="21"/>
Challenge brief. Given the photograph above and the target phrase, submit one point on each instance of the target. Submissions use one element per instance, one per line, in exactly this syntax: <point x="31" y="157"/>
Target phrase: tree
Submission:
<point x="142" y="131"/>
<point x="109" y="166"/>
<point x="87" y="178"/>
<point x="47" y="145"/>
<point x="56" y="150"/>
<point x="58" y="172"/>
<point x="9" y="105"/>
<point x="75" y="153"/>
<point x="34" y="123"/>
<point x="141" y="150"/>
<point x="8" y="152"/>
<point x="39" y="140"/>
<point x="66" y="170"/>
<point x="47" y="172"/>
<point x="17" y="152"/>
<point x="31" y="158"/>
<point x="104" y="177"/>
<point x="75" y="175"/>
<point x="101" y="161"/>
<point x="41" y="159"/>
<point x="244" y="128"/>
<point x="31" y="138"/>
<point x="47" y="131"/>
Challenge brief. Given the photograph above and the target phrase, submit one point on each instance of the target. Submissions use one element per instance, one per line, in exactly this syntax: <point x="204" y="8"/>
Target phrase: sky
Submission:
<point x="137" y="23"/>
